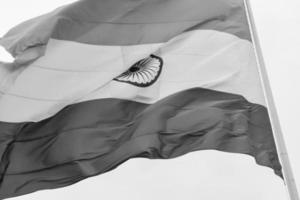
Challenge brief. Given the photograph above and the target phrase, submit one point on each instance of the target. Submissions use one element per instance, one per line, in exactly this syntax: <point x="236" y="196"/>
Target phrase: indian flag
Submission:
<point x="98" y="82"/>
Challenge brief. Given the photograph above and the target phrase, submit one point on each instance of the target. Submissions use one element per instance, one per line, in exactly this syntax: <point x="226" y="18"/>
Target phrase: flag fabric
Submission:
<point x="98" y="82"/>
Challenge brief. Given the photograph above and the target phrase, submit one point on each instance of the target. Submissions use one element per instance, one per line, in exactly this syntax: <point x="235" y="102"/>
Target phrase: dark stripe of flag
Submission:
<point x="93" y="137"/>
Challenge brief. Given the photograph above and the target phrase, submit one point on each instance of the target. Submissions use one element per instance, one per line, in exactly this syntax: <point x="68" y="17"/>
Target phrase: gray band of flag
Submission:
<point x="124" y="22"/>
<point x="93" y="137"/>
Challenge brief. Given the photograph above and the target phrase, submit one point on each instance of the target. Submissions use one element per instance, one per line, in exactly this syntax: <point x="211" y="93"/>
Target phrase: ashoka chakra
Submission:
<point x="143" y="73"/>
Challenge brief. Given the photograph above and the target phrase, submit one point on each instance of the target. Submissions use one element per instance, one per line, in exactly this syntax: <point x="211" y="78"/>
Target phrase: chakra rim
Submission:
<point x="143" y="73"/>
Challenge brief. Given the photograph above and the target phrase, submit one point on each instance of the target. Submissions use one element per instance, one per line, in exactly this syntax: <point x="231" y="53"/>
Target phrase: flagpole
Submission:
<point x="279" y="139"/>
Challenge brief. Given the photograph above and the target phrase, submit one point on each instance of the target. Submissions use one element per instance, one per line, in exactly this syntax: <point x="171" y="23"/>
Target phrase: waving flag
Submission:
<point x="98" y="82"/>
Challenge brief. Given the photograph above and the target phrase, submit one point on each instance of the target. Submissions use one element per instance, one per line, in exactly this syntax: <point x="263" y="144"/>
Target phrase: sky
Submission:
<point x="277" y="23"/>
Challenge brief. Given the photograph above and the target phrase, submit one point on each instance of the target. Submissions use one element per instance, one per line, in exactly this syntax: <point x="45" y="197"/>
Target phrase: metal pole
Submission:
<point x="280" y="144"/>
